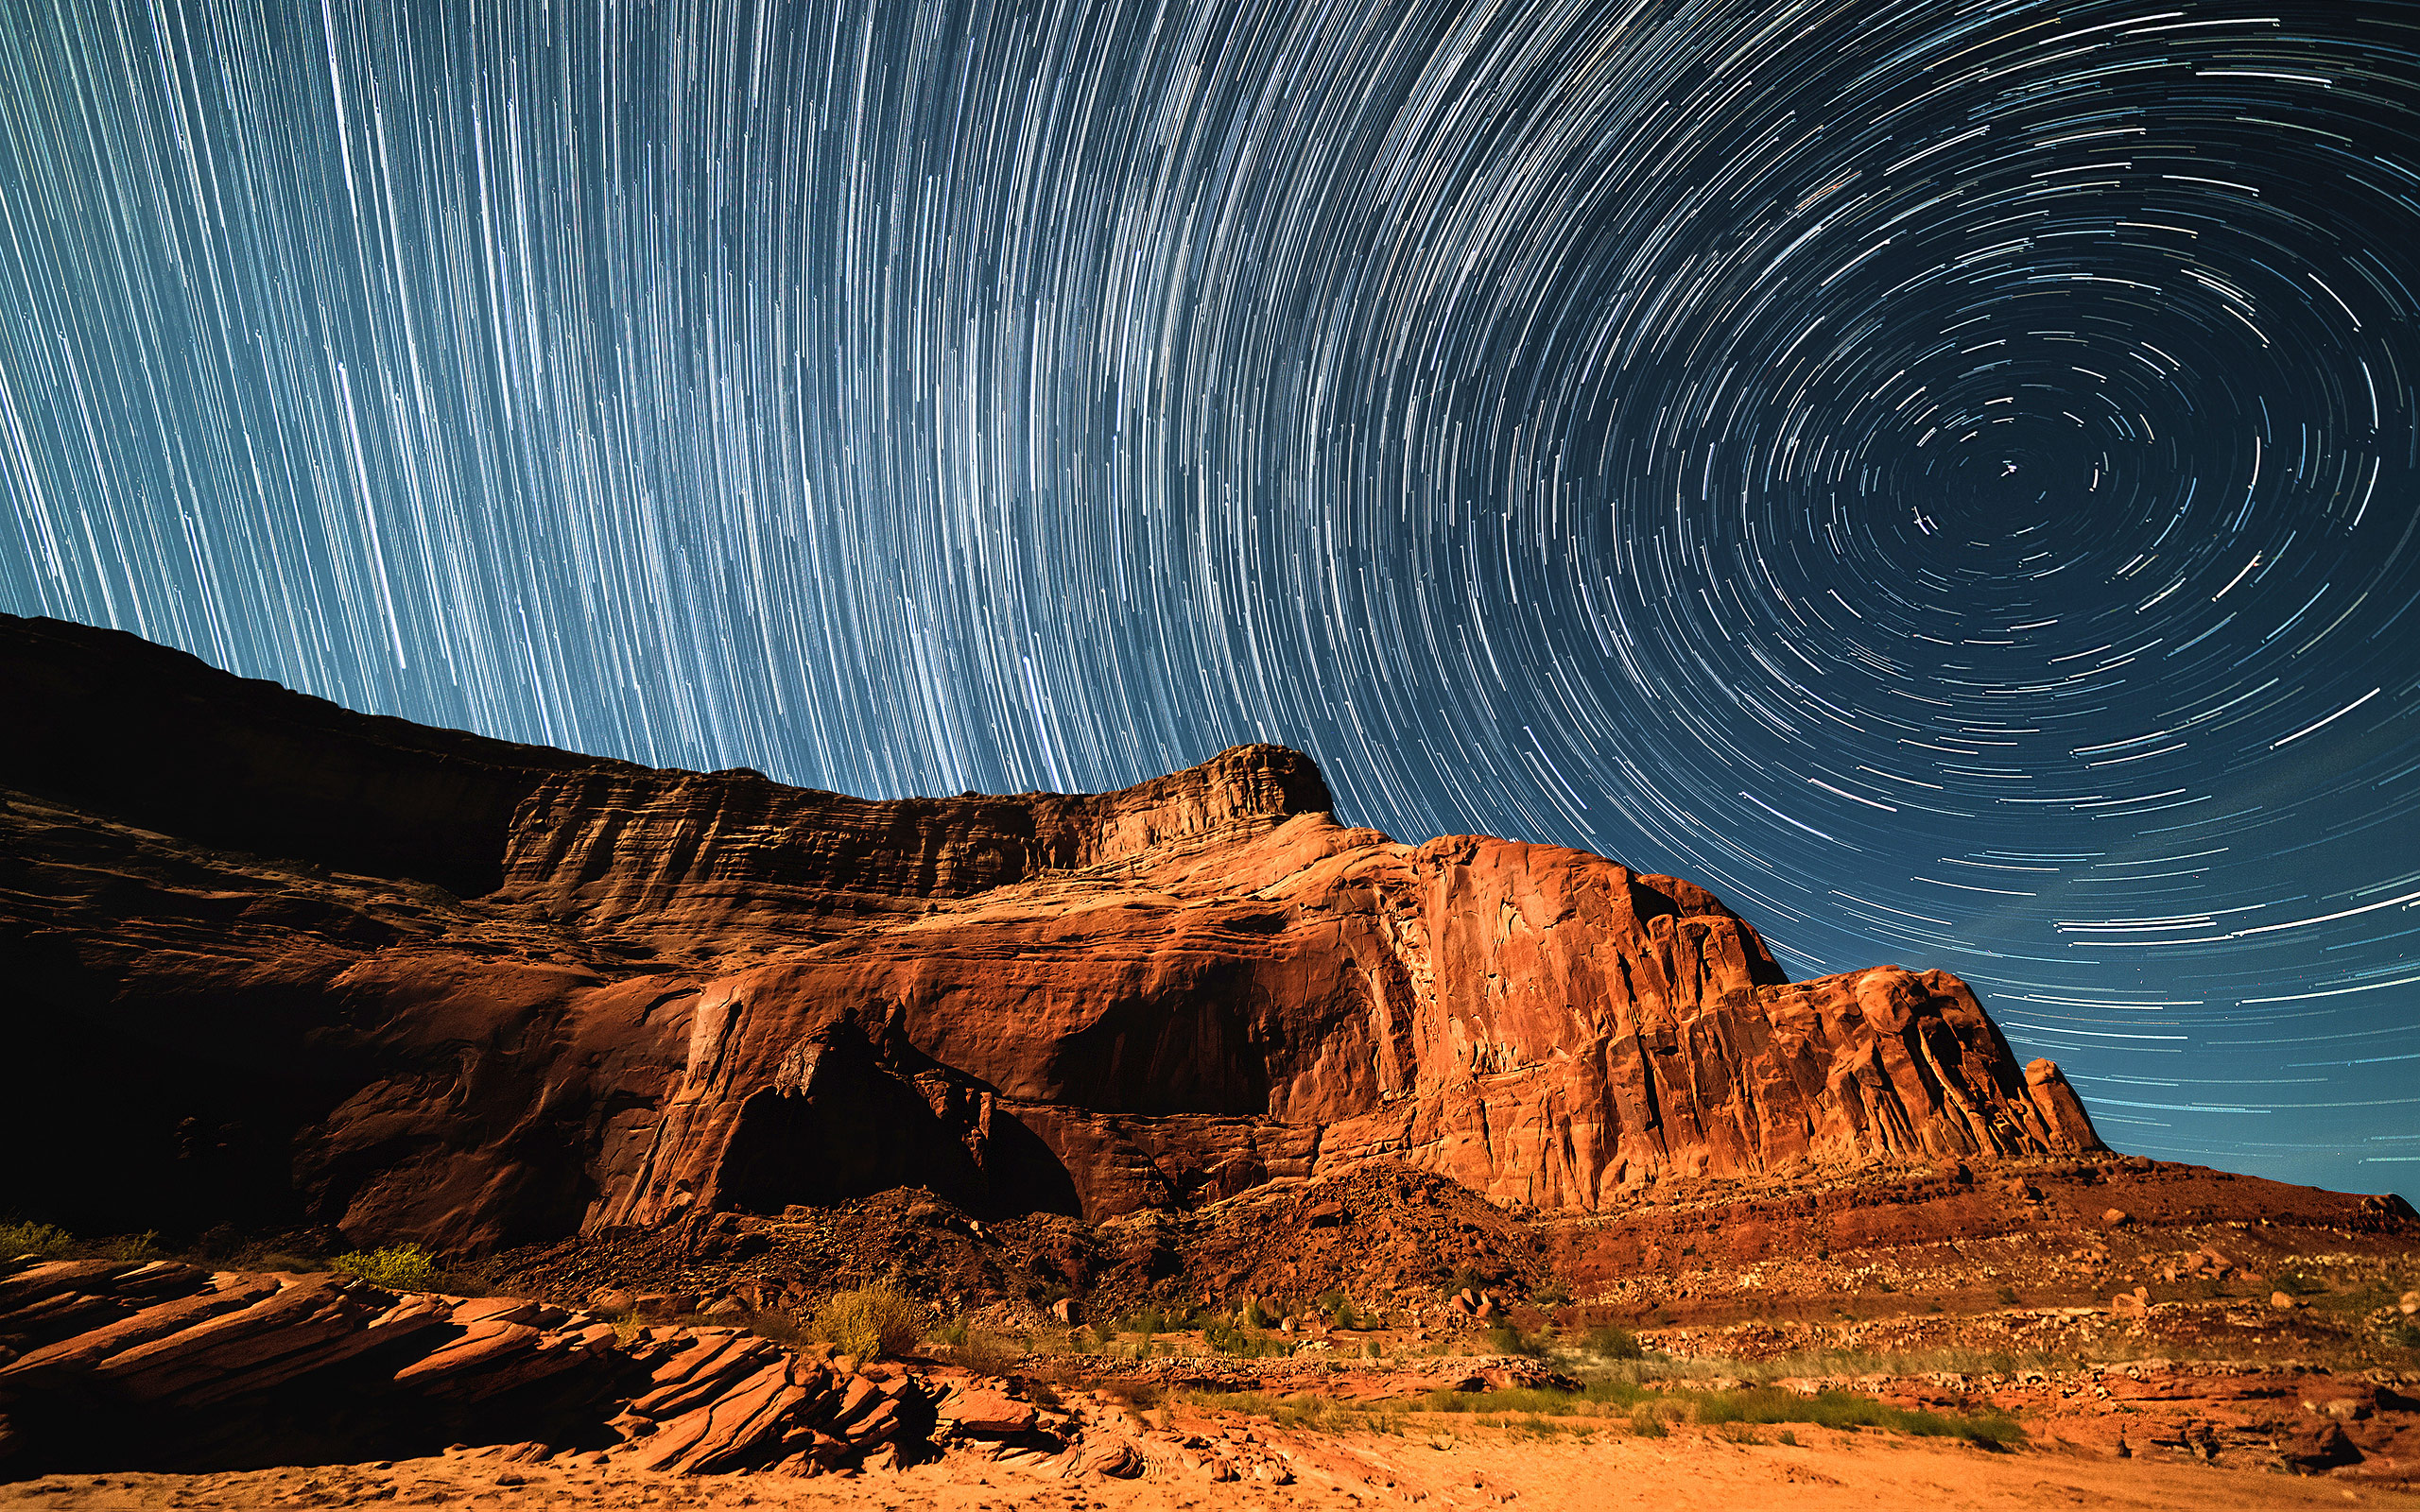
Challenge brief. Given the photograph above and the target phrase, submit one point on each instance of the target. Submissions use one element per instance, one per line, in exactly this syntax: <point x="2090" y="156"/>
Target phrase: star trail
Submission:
<point x="1943" y="475"/>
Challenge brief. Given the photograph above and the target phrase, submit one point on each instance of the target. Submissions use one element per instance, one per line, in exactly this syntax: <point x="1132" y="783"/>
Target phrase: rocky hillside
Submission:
<point x="286" y="963"/>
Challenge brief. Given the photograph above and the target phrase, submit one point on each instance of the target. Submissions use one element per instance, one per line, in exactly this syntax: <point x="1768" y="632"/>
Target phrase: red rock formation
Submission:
<point x="690" y="993"/>
<point x="127" y="1365"/>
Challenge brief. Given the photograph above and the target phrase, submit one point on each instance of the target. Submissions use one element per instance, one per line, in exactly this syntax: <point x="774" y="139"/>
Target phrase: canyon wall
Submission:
<point x="632" y="994"/>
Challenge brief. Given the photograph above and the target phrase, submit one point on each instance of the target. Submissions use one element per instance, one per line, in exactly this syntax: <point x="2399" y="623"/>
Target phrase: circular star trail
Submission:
<point x="1944" y="477"/>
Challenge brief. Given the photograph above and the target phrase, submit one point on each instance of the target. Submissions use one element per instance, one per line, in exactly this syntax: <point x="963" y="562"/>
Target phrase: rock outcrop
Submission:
<point x="676" y="992"/>
<point x="133" y="1365"/>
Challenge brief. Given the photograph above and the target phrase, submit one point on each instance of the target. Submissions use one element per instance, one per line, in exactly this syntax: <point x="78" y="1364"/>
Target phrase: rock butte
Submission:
<point x="472" y="992"/>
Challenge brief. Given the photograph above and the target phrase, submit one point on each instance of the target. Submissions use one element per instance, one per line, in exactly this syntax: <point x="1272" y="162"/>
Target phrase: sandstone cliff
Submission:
<point x="672" y="992"/>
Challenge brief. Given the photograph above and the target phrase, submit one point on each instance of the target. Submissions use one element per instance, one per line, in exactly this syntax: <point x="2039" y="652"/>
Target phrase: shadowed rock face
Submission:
<point x="684" y="991"/>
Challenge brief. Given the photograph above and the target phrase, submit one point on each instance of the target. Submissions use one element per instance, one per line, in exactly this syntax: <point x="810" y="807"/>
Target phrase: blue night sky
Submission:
<point x="1943" y="475"/>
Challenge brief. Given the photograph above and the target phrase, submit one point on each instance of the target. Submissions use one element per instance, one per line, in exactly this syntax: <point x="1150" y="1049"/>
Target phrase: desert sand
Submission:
<point x="1689" y="1471"/>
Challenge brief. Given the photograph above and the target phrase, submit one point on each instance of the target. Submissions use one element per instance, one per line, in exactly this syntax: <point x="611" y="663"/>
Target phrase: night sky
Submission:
<point x="1941" y="475"/>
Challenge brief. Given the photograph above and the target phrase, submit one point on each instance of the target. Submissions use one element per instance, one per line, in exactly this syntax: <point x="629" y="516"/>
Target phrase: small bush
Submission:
<point x="1301" y="1410"/>
<point x="1506" y="1339"/>
<point x="277" y="1259"/>
<point x="34" y="1239"/>
<point x="1840" y="1409"/>
<point x="986" y="1353"/>
<point x="979" y="1348"/>
<point x="1222" y="1337"/>
<point x="1613" y="1343"/>
<point x="1789" y="1437"/>
<point x="1141" y="1396"/>
<point x="874" y="1321"/>
<point x="781" y="1327"/>
<point x="1647" y="1423"/>
<point x="1533" y="1400"/>
<point x="1553" y="1294"/>
<point x="398" y="1267"/>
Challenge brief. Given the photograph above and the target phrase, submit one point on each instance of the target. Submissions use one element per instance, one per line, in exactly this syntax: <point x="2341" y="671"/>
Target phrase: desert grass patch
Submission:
<point x="40" y="1240"/>
<point x="1137" y="1395"/>
<point x="1506" y="1339"/>
<point x="1843" y="1409"/>
<point x="396" y="1267"/>
<point x="1304" y="1410"/>
<point x="1613" y="1396"/>
<point x="1608" y="1342"/>
<point x="47" y="1242"/>
<point x="1243" y="1342"/>
<point x="985" y="1352"/>
<point x="786" y="1328"/>
<point x="872" y="1321"/>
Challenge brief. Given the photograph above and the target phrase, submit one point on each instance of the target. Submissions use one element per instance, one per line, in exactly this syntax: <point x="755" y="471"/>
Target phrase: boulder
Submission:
<point x="985" y="1411"/>
<point x="2314" y="1447"/>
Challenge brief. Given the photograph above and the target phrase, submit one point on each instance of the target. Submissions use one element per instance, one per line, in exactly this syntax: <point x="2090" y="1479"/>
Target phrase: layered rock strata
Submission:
<point x="129" y="1365"/>
<point x="684" y="993"/>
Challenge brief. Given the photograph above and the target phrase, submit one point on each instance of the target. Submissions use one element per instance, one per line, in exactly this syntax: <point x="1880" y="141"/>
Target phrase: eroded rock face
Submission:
<point x="1539" y="1023"/>
<point x="689" y="993"/>
<point x="122" y="1364"/>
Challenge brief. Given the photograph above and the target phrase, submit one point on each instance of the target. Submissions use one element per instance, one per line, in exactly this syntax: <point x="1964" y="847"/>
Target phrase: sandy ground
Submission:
<point x="1489" y="1469"/>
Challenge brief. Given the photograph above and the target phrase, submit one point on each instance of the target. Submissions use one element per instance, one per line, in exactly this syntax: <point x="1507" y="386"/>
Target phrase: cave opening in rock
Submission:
<point x="845" y="1121"/>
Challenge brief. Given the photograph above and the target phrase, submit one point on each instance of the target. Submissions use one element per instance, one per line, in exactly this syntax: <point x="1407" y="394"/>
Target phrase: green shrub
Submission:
<point x="398" y="1267"/>
<point x="278" y="1260"/>
<point x="781" y="1327"/>
<point x="1840" y="1409"/>
<point x="1647" y="1423"/>
<point x="874" y="1321"/>
<point x="1222" y="1337"/>
<point x="35" y="1239"/>
<point x="1613" y="1343"/>
<point x="1553" y="1294"/>
<point x="982" y="1351"/>
<point x="1533" y="1400"/>
<point x="1506" y="1339"/>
